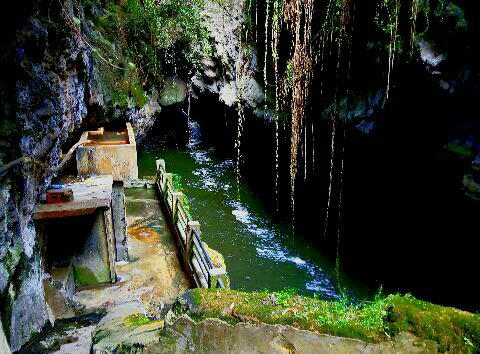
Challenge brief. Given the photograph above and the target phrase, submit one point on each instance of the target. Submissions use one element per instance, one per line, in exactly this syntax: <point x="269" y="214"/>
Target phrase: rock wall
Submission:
<point x="230" y="71"/>
<point x="58" y="94"/>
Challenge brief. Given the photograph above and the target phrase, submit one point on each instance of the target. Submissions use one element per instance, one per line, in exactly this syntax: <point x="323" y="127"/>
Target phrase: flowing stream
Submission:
<point x="260" y="254"/>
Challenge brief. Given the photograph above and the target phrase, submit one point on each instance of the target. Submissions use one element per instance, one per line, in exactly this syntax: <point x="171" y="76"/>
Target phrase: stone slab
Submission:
<point x="125" y="325"/>
<point x="89" y="195"/>
<point x="58" y="306"/>
<point x="63" y="280"/>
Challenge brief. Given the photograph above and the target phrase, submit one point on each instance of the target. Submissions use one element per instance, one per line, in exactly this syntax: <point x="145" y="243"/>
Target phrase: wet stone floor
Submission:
<point x="153" y="275"/>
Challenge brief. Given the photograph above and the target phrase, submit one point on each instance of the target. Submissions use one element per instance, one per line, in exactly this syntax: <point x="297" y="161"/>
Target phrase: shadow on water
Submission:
<point x="260" y="253"/>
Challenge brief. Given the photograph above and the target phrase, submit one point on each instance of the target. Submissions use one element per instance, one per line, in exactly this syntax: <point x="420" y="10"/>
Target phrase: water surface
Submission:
<point x="260" y="254"/>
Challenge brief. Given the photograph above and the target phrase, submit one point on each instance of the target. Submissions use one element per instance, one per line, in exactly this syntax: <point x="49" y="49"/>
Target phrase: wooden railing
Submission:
<point x="197" y="261"/>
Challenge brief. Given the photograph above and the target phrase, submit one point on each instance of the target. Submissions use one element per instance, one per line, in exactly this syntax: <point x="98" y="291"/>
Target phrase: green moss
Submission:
<point x="290" y="73"/>
<point x="375" y="321"/>
<point x="138" y="93"/>
<point x="99" y="335"/>
<point x="136" y="320"/>
<point x="12" y="258"/>
<point x="84" y="276"/>
<point x="455" y="331"/>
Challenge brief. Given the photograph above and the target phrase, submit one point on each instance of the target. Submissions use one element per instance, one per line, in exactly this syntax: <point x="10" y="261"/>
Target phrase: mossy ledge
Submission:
<point x="373" y="322"/>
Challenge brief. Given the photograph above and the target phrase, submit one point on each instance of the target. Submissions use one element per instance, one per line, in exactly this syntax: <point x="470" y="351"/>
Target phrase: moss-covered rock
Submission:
<point x="174" y="91"/>
<point x="372" y="322"/>
<point x="125" y="327"/>
<point x="455" y="331"/>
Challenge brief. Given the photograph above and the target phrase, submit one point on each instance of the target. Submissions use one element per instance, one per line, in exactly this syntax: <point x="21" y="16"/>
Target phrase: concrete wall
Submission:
<point x="120" y="161"/>
<point x="91" y="265"/>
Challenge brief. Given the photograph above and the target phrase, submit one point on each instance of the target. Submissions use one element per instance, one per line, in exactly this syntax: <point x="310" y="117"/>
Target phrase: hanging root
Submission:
<point x="343" y="75"/>
<point x="302" y="73"/>
<point x="392" y="49"/>
<point x="31" y="161"/>
<point x="413" y="30"/>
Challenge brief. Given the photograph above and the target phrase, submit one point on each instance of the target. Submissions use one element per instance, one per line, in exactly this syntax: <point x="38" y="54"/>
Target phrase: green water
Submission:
<point x="259" y="253"/>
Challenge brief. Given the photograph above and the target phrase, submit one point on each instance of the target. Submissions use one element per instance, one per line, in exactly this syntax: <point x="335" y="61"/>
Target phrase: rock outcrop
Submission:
<point x="216" y="336"/>
<point x="58" y="92"/>
<point x="230" y="71"/>
<point x="126" y="326"/>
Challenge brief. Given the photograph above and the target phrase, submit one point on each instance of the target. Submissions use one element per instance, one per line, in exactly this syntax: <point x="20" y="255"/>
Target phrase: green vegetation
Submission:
<point x="375" y="321"/>
<point x="177" y="184"/>
<point x="448" y="10"/>
<point x="12" y="258"/>
<point x="166" y="34"/>
<point x="387" y="20"/>
<point x="289" y="77"/>
<point x="138" y="44"/>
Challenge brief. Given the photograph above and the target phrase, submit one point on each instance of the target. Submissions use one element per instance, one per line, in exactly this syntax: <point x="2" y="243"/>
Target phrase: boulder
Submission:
<point x="174" y="91"/>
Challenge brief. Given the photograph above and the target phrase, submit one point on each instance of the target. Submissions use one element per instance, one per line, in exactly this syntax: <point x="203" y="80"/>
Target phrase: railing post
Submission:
<point x="160" y="171"/>
<point x="213" y="275"/>
<point x="177" y="198"/>
<point x="168" y="178"/>
<point x="192" y="227"/>
<point x="161" y="165"/>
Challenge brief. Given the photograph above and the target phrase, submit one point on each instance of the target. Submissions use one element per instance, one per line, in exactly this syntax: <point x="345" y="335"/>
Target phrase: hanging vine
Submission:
<point x="278" y="7"/>
<point x="387" y="20"/>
